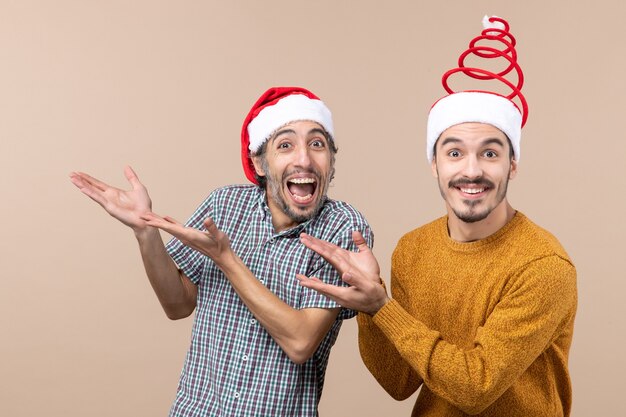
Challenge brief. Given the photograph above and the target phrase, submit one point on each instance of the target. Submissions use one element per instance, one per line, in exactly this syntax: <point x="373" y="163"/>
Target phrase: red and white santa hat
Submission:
<point x="480" y="105"/>
<point x="277" y="107"/>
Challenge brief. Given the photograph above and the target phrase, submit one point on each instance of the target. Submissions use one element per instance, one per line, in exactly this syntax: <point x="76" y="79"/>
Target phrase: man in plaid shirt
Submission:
<point x="260" y="341"/>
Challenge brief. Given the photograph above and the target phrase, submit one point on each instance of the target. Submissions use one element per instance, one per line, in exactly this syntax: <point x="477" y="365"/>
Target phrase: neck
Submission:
<point x="280" y="220"/>
<point x="461" y="231"/>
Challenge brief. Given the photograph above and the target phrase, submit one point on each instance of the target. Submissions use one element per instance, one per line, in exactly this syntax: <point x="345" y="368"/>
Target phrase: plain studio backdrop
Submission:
<point x="164" y="86"/>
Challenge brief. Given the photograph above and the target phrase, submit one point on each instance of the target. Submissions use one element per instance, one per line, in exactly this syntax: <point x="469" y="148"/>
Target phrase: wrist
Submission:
<point x="381" y="300"/>
<point x="145" y="233"/>
<point x="227" y="262"/>
<point x="379" y="305"/>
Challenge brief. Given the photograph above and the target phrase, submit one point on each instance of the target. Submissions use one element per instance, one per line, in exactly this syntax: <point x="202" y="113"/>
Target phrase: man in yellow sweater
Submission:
<point x="483" y="301"/>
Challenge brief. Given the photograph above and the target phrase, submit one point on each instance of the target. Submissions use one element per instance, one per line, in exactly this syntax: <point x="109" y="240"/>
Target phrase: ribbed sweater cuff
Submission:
<point x="393" y="320"/>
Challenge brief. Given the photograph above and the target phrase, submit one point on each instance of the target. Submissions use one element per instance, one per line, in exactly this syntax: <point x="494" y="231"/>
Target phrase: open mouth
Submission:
<point x="302" y="190"/>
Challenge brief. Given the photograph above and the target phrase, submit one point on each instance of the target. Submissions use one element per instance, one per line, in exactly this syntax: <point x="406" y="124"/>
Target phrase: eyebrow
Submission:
<point x="485" y="142"/>
<point x="310" y="132"/>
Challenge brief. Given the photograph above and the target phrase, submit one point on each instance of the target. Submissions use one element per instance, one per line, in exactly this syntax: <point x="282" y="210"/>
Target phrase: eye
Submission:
<point x="490" y="154"/>
<point x="284" y="145"/>
<point x="317" y="143"/>
<point x="454" y="153"/>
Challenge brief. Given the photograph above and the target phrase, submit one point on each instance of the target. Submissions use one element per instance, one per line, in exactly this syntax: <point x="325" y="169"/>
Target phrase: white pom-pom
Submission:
<point x="491" y="25"/>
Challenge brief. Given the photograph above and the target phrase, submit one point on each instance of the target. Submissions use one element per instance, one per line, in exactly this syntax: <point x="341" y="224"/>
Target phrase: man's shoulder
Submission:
<point x="338" y="218"/>
<point x="539" y="240"/>
<point x="420" y="241"/>
<point x="426" y="232"/>
<point x="235" y="193"/>
<point x="341" y="211"/>
<point x="243" y="189"/>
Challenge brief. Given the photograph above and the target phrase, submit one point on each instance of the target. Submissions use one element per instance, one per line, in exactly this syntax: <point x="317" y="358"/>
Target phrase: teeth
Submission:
<point x="304" y="198"/>
<point x="302" y="180"/>
<point x="472" y="190"/>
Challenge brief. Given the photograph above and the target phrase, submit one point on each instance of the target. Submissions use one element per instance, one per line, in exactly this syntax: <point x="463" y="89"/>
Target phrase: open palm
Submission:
<point x="127" y="206"/>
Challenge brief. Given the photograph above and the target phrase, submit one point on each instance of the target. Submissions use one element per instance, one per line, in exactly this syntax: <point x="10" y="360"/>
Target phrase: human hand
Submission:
<point x="212" y="242"/>
<point x="127" y="206"/>
<point x="358" y="269"/>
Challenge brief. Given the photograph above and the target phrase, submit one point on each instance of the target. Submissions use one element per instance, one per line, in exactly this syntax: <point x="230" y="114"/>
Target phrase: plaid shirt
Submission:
<point x="233" y="366"/>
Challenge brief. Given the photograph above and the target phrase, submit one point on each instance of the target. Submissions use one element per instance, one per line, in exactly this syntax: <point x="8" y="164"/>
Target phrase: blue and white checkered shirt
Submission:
<point x="233" y="366"/>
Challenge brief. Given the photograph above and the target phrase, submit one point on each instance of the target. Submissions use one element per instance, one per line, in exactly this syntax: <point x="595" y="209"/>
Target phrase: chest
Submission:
<point x="453" y="294"/>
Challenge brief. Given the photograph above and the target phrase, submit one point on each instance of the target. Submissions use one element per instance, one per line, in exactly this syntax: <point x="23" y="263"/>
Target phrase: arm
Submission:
<point x="176" y="293"/>
<point x="366" y="294"/>
<point x="532" y="313"/>
<point x="297" y="332"/>
<point x="527" y="320"/>
<point x="384" y="362"/>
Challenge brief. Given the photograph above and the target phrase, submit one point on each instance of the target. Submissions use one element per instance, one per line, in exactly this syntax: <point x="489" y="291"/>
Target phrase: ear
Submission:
<point x="433" y="167"/>
<point x="513" y="169"/>
<point x="256" y="161"/>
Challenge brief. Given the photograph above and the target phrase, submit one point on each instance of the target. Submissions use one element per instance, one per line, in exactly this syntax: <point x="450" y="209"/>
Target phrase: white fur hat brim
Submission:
<point x="478" y="107"/>
<point x="292" y="108"/>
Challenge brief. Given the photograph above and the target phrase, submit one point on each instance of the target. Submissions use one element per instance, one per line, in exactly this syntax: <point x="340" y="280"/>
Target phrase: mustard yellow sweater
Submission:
<point x="483" y="327"/>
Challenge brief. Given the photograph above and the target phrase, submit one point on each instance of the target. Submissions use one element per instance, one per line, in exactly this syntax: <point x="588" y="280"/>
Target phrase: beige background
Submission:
<point x="164" y="86"/>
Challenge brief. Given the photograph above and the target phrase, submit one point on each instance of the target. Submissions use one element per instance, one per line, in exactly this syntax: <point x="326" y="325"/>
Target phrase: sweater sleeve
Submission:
<point x="534" y="308"/>
<point x="384" y="362"/>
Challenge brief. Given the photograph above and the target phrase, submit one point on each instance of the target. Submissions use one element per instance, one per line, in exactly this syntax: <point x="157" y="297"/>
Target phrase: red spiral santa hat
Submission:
<point x="277" y="107"/>
<point x="483" y="106"/>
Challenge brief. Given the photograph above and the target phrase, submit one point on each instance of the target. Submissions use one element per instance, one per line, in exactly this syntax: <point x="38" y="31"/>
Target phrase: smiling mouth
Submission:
<point x="302" y="189"/>
<point x="472" y="190"/>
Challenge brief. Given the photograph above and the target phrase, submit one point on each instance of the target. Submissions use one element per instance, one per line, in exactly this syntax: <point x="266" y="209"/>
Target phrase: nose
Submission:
<point x="472" y="168"/>
<point x="303" y="158"/>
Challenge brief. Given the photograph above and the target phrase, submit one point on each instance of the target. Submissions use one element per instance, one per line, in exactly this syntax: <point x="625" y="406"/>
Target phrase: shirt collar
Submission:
<point x="266" y="217"/>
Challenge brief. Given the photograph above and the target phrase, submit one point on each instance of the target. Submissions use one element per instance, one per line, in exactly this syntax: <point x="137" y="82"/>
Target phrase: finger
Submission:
<point x="172" y="220"/>
<point x="172" y="229"/>
<point x="153" y="219"/>
<point x="359" y="241"/>
<point x="77" y="180"/>
<point x="326" y="249"/>
<point x="302" y="278"/>
<point x="94" y="182"/>
<point x="348" y="278"/>
<point x="211" y="227"/>
<point x="150" y="216"/>
<point x="132" y="178"/>
<point x="87" y="189"/>
<point x="334" y="292"/>
<point x="333" y="254"/>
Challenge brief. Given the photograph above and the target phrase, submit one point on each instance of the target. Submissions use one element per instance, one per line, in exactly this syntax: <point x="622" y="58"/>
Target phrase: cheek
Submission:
<point x="323" y="162"/>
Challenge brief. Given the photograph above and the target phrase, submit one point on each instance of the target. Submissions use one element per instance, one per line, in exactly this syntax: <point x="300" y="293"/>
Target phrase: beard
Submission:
<point x="274" y="189"/>
<point x="471" y="211"/>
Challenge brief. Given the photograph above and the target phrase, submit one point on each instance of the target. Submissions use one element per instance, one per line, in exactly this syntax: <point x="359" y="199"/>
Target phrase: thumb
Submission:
<point x="359" y="241"/>
<point x="132" y="178"/>
<point x="210" y="225"/>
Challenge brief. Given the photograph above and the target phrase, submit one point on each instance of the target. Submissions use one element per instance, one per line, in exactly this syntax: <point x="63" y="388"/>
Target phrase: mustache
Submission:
<point x="314" y="172"/>
<point x="477" y="181"/>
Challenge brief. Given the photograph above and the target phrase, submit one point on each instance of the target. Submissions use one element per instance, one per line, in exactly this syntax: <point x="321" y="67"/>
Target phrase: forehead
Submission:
<point x="471" y="132"/>
<point x="300" y="127"/>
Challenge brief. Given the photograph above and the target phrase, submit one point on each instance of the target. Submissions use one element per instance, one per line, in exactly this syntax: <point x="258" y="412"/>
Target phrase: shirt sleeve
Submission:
<point x="191" y="262"/>
<point x="326" y="273"/>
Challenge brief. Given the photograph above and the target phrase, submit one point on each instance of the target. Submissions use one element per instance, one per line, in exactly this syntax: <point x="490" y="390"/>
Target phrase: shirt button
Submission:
<point x="262" y="281"/>
<point x="236" y="395"/>
<point x="253" y="321"/>
<point x="244" y="358"/>
<point x="272" y="240"/>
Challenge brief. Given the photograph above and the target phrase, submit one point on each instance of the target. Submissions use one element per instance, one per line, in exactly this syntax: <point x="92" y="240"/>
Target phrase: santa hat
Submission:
<point x="277" y="107"/>
<point x="480" y="105"/>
